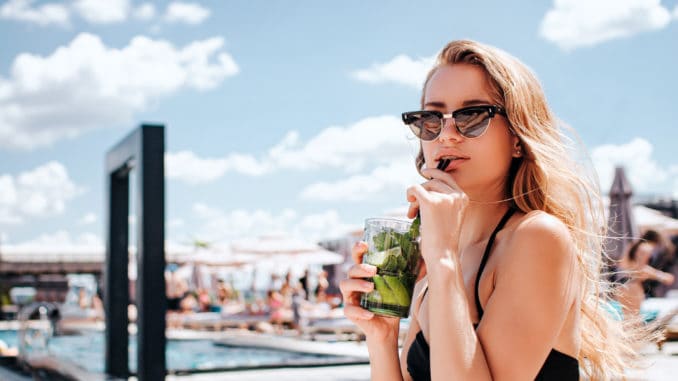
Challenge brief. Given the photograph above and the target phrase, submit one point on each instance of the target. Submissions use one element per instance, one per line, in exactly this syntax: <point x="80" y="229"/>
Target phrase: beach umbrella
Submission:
<point x="282" y="249"/>
<point x="210" y="255"/>
<point x="621" y="227"/>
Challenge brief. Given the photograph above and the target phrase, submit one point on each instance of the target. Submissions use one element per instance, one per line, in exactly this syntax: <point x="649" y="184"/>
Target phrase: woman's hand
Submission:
<point x="441" y="204"/>
<point x="374" y="326"/>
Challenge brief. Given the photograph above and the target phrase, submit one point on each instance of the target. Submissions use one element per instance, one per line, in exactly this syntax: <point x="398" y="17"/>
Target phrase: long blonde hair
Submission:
<point x="548" y="178"/>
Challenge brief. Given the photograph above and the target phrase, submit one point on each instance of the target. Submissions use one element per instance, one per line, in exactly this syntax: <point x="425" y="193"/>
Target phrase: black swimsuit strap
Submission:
<point x="486" y="256"/>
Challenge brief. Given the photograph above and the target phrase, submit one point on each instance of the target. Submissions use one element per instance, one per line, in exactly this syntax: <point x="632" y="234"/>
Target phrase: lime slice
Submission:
<point x="399" y="292"/>
<point x="382" y="259"/>
<point x="382" y="288"/>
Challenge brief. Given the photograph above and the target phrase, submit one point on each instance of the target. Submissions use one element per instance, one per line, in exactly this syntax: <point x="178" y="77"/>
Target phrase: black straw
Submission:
<point x="442" y="164"/>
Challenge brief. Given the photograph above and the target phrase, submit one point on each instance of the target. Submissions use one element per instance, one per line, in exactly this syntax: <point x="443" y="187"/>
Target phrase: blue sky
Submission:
<point x="283" y="115"/>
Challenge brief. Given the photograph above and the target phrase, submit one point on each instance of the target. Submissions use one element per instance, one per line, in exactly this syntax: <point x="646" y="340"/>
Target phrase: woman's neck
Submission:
<point x="479" y="222"/>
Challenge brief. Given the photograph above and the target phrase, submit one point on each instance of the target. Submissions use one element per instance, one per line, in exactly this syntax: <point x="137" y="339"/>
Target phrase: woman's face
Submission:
<point x="644" y="252"/>
<point x="483" y="168"/>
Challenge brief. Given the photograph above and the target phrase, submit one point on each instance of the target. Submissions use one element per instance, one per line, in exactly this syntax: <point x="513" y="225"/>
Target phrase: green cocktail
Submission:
<point x="394" y="250"/>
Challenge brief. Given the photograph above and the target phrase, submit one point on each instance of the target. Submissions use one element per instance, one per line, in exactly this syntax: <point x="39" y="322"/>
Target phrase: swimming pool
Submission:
<point x="87" y="351"/>
<point x="9" y="337"/>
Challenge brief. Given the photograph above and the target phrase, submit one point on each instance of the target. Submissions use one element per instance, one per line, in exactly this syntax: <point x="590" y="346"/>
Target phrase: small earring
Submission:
<point x="518" y="152"/>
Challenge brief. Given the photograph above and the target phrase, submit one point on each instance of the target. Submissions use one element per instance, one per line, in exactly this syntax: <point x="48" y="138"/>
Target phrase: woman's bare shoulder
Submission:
<point x="538" y="232"/>
<point x="540" y="223"/>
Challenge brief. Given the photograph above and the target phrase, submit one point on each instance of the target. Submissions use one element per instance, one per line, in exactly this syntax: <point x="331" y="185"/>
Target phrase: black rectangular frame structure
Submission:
<point x="142" y="150"/>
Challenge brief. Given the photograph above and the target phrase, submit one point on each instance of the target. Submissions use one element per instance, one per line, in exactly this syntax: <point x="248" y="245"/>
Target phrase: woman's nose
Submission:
<point x="449" y="131"/>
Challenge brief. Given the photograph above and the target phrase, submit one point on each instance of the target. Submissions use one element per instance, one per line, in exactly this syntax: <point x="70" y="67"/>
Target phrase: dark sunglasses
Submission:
<point x="471" y="122"/>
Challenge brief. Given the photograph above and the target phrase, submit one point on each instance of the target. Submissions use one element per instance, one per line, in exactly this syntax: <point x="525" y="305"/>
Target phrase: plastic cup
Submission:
<point x="393" y="248"/>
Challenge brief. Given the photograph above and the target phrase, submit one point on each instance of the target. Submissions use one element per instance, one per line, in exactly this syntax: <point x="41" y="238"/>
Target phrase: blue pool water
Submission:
<point x="9" y="337"/>
<point x="87" y="351"/>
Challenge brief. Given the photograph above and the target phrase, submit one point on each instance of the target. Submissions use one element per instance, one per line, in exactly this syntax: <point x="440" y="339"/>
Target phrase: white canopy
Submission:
<point x="647" y="218"/>
<point x="174" y="253"/>
<point x="279" y="248"/>
<point x="44" y="253"/>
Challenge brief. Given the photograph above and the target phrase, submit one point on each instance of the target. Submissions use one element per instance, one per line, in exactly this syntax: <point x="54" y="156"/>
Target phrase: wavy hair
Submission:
<point x="551" y="178"/>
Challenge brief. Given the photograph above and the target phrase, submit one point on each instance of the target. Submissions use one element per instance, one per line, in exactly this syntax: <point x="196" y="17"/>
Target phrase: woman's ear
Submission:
<point x="517" y="147"/>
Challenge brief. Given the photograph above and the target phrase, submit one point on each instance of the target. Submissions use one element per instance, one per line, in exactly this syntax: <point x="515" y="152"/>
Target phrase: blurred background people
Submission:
<point x="634" y="270"/>
<point x="663" y="258"/>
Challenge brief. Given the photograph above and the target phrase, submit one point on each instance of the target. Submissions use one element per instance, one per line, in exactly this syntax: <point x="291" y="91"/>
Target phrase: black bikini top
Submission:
<point x="558" y="366"/>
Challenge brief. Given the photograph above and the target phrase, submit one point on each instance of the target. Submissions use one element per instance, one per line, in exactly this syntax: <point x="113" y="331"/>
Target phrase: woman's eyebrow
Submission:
<point x="474" y="102"/>
<point x="466" y="103"/>
<point x="435" y="104"/>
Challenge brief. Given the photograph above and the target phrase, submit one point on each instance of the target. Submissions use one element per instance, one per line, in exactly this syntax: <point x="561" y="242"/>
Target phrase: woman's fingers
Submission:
<point x="362" y="270"/>
<point x="416" y="193"/>
<point x="358" y="250"/>
<point x="357" y="313"/>
<point x="413" y="210"/>
<point x="438" y="186"/>
<point x="433" y="174"/>
<point x="424" y="193"/>
<point x="352" y="289"/>
<point x="353" y="285"/>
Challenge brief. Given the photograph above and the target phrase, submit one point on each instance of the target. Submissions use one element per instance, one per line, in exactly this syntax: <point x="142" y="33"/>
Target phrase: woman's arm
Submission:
<point x="384" y="360"/>
<point x="534" y="288"/>
<point x="414" y="327"/>
<point x="381" y="332"/>
<point x="380" y="354"/>
<point x="650" y="272"/>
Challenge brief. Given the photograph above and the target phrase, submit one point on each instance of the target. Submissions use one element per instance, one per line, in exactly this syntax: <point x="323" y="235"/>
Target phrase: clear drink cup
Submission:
<point x="393" y="247"/>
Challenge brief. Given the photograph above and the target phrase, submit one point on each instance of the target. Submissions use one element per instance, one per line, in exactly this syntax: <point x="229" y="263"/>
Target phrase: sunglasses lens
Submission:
<point x="472" y="123"/>
<point x="424" y="125"/>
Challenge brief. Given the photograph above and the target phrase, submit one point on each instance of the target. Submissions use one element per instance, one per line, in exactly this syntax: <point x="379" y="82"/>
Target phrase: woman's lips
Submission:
<point x="454" y="164"/>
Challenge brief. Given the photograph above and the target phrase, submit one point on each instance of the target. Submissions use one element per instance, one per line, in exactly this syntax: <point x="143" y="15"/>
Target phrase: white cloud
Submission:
<point x="87" y="219"/>
<point x="102" y="12"/>
<point x="41" y="192"/>
<point x="576" y="23"/>
<point x="188" y="13"/>
<point x="642" y="170"/>
<point x="322" y="225"/>
<point x="86" y="85"/>
<point x="373" y="141"/>
<point x="370" y="140"/>
<point x="8" y="201"/>
<point x="395" y="176"/>
<point x="216" y="225"/>
<point x="401" y="69"/>
<point x="43" y="15"/>
<point x="145" y="11"/>
<point x="186" y="166"/>
<point x="176" y="223"/>
<point x="222" y="227"/>
<point x="64" y="238"/>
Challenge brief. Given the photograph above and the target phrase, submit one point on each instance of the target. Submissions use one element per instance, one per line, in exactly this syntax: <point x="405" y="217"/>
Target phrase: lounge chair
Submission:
<point x="217" y="322"/>
<point x="665" y="322"/>
<point x="340" y="327"/>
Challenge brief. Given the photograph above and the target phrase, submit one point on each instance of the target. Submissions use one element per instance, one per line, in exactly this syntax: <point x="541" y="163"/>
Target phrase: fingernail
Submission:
<point x="367" y="314"/>
<point x="370" y="268"/>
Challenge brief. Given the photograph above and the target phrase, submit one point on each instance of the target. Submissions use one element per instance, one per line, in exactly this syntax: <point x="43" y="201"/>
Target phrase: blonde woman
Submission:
<point x="510" y="237"/>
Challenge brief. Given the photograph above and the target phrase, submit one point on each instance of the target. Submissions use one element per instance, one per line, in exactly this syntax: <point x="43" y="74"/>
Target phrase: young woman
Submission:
<point x="635" y="269"/>
<point x="510" y="238"/>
